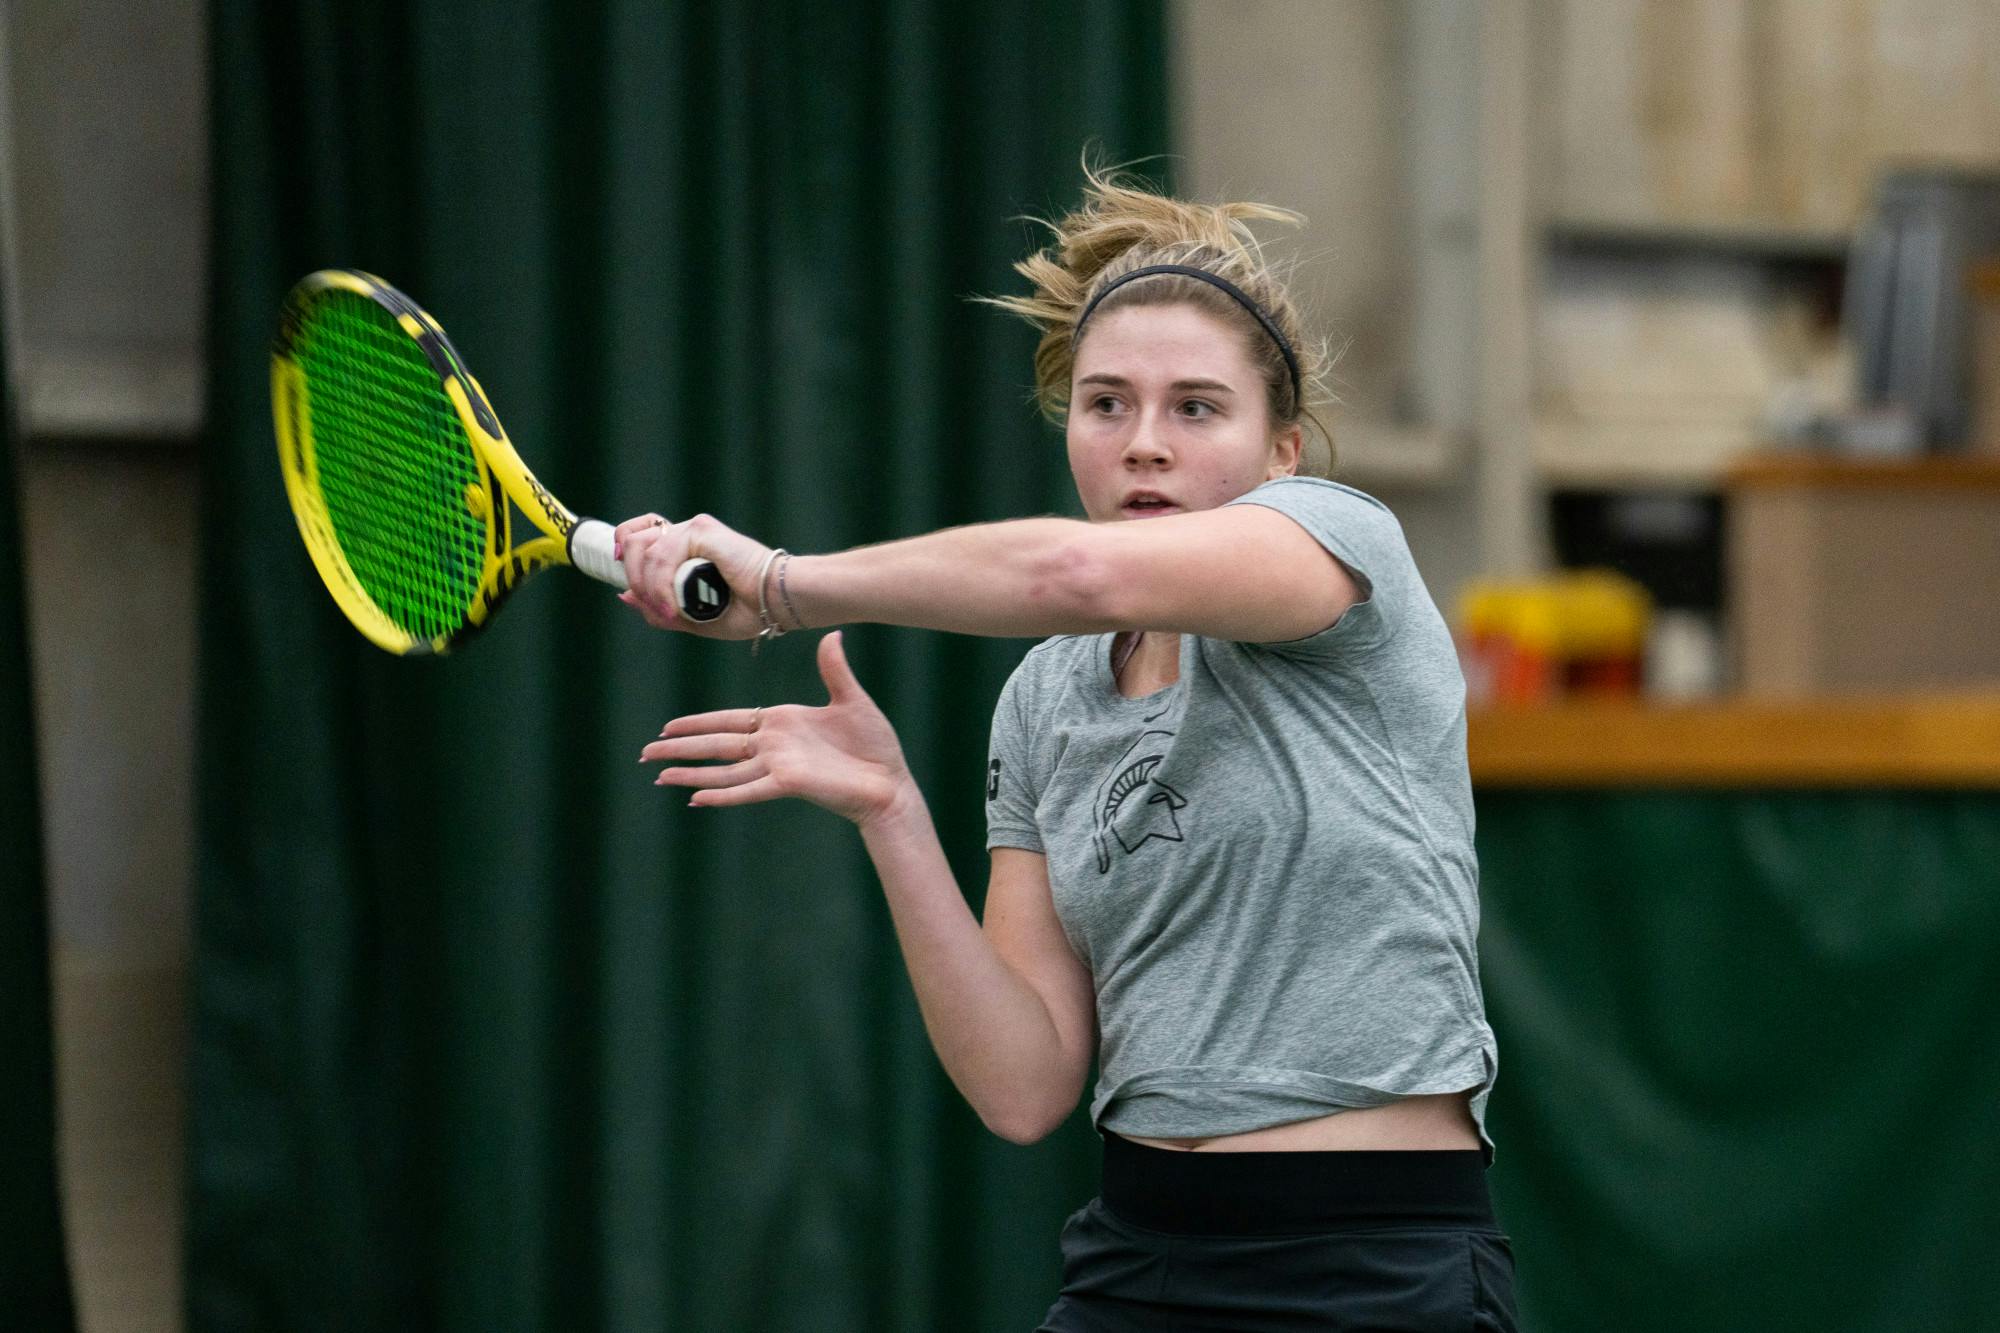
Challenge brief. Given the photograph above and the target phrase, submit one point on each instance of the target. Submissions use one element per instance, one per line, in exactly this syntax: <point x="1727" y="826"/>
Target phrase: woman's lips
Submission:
<point x="1149" y="511"/>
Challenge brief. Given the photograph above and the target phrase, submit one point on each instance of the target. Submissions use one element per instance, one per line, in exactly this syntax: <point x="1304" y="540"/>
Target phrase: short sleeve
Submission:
<point x="1360" y="532"/>
<point x="1011" y="787"/>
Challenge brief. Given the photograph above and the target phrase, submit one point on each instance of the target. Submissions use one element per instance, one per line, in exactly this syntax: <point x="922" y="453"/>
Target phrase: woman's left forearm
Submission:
<point x="1020" y="579"/>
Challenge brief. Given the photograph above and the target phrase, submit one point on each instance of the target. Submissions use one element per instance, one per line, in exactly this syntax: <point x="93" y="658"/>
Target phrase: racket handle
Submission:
<point x="591" y="543"/>
<point x="700" y="591"/>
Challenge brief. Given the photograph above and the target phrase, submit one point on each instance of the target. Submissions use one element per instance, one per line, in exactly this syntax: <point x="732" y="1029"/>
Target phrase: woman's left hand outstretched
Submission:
<point x="844" y="756"/>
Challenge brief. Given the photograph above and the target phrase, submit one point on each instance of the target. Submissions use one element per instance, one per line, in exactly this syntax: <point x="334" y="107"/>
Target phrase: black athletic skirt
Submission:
<point x="1254" y="1241"/>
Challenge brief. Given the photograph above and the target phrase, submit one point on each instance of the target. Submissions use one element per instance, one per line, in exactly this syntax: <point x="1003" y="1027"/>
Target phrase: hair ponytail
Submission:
<point x="1119" y="228"/>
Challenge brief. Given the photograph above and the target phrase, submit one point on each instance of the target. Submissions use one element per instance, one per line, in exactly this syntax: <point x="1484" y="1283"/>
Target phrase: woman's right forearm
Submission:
<point x="1023" y="578"/>
<point x="990" y="1028"/>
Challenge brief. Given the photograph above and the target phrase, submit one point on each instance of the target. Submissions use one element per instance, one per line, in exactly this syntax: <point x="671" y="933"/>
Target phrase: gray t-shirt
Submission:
<point x="1266" y="866"/>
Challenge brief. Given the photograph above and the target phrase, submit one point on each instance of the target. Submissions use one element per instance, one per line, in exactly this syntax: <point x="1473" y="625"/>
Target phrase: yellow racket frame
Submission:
<point x="503" y="477"/>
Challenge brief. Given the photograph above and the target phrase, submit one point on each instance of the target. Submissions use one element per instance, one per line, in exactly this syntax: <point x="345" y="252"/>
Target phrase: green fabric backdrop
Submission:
<point x="34" y="1272"/>
<point x="489" y="1033"/>
<point x="1749" y="1076"/>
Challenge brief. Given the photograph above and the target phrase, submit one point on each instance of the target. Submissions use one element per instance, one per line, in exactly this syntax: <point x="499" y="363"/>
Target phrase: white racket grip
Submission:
<point x="590" y="546"/>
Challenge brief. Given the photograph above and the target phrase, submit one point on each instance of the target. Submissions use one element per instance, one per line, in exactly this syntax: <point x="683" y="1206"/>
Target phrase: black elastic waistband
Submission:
<point x="1283" y="1193"/>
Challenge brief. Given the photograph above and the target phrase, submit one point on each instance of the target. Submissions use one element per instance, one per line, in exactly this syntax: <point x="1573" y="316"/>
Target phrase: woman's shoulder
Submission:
<point x="1288" y="493"/>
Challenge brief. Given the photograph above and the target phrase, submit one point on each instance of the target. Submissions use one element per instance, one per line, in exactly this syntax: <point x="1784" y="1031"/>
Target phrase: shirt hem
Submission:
<point x="1301" y="1095"/>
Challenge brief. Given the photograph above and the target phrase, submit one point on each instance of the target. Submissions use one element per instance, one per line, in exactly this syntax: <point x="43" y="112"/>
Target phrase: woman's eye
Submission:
<point x="1195" y="407"/>
<point x="1104" y="403"/>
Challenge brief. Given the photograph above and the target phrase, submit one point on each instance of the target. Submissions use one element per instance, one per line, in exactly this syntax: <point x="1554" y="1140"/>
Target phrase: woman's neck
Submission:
<point x="1142" y="662"/>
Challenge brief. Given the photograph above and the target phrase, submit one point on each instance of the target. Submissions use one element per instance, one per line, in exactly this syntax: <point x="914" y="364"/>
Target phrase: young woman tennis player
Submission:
<point x="1228" y="809"/>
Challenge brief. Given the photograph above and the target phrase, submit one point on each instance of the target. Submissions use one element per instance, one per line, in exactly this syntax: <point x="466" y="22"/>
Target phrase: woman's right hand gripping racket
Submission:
<point x="404" y="483"/>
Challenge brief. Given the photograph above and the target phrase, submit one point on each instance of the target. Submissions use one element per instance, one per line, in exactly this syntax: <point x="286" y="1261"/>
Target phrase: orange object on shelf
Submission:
<point x="1604" y="622"/>
<point x="1512" y="640"/>
<point x="1581" y="633"/>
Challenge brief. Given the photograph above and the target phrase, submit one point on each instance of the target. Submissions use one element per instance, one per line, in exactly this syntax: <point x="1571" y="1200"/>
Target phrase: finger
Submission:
<point x="763" y="789"/>
<point x="646" y="612"/>
<point x="651" y="565"/>
<point x="728" y="719"/>
<point x="631" y="552"/>
<point x="714" y="778"/>
<point x="663" y="613"/>
<point x="841" y="686"/>
<point x="711" y="745"/>
<point x="646" y="553"/>
<point x="653" y="572"/>
<point x="632" y="525"/>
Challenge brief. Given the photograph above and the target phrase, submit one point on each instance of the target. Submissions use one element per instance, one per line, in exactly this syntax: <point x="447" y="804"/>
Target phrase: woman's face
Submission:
<point x="1167" y="415"/>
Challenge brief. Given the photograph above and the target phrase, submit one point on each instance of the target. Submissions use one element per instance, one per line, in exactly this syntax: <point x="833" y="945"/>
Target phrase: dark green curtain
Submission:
<point x="488" y="1032"/>
<point x="1750" y="1076"/>
<point x="34" y="1272"/>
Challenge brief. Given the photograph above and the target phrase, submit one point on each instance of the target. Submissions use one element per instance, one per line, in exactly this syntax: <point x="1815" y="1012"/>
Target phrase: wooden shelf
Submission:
<point x="1727" y="237"/>
<point x="1807" y="471"/>
<point x="1931" y="740"/>
<point x="1709" y="457"/>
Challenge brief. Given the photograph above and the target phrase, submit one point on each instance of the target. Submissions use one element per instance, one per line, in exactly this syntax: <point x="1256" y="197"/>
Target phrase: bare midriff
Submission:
<point x="1440" y="1122"/>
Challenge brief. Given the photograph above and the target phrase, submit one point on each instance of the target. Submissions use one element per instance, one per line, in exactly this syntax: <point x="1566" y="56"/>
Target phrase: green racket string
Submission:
<point x="394" y="464"/>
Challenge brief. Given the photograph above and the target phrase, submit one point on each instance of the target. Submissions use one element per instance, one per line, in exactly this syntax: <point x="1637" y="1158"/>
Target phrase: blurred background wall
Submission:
<point x="106" y="210"/>
<point x="1585" y="257"/>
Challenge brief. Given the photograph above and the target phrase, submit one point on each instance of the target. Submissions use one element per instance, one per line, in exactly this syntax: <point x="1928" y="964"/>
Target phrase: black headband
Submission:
<point x="1216" y="281"/>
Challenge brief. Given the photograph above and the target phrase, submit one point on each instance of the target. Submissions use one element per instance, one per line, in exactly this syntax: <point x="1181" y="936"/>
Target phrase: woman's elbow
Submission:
<point x="1076" y="585"/>
<point x="1031" y="1114"/>
<point x="1023" y="1125"/>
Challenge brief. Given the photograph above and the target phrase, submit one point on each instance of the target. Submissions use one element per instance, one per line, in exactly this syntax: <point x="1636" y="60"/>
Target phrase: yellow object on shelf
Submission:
<point x="1604" y="614"/>
<point x="1576" y="633"/>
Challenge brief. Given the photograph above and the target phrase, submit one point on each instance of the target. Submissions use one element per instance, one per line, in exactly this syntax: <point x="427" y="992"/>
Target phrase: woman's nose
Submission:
<point x="1147" y="443"/>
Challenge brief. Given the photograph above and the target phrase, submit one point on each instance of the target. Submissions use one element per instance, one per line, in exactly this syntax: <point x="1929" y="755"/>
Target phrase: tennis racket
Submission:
<point x="403" y="482"/>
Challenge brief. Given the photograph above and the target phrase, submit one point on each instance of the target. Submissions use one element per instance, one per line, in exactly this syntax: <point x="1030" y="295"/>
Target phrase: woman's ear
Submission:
<point x="1285" y="447"/>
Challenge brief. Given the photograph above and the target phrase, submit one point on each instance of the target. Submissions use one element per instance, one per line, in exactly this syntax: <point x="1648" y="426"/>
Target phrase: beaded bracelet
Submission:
<point x="798" y="621"/>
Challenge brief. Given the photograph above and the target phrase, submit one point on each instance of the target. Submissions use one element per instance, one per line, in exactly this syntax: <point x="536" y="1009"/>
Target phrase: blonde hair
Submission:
<point x="1120" y="227"/>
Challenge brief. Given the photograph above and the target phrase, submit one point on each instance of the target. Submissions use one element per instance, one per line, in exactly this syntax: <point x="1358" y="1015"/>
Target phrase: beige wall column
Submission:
<point x="1511" y="538"/>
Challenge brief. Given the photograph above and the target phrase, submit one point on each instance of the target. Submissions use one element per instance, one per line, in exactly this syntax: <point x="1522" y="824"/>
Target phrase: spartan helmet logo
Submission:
<point x="1132" y="805"/>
